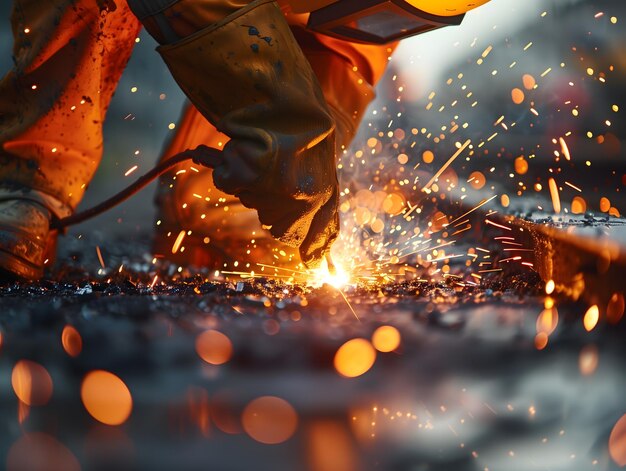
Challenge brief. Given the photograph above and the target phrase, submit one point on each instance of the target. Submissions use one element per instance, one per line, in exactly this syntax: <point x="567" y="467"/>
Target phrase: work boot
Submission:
<point x="258" y="88"/>
<point x="67" y="58"/>
<point x="26" y="242"/>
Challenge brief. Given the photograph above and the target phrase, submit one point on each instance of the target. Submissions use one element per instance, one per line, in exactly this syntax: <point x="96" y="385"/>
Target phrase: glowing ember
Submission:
<point x="106" y="397"/>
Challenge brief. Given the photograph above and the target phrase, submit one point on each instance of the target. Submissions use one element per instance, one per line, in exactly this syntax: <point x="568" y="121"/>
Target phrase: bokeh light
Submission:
<point x="615" y="308"/>
<point x="37" y="451"/>
<point x="31" y="383"/>
<point x="529" y="81"/>
<point x="72" y="341"/>
<point x="331" y="447"/>
<point x="224" y="412"/>
<point x="588" y="360"/>
<point x="386" y="338"/>
<point x="214" y="347"/>
<point x="354" y="358"/>
<point x="591" y="318"/>
<point x="547" y="321"/>
<point x="541" y="340"/>
<point x="270" y="420"/>
<point x="617" y="442"/>
<point x="517" y="96"/>
<point x="106" y="397"/>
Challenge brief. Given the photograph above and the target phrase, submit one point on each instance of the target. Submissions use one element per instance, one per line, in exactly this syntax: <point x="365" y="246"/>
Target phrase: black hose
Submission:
<point x="198" y="158"/>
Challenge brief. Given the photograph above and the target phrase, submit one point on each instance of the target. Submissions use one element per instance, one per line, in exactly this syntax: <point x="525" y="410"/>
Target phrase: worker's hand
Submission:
<point x="295" y="195"/>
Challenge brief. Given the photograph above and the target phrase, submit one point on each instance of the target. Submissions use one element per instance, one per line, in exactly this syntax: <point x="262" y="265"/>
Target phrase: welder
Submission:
<point x="279" y="87"/>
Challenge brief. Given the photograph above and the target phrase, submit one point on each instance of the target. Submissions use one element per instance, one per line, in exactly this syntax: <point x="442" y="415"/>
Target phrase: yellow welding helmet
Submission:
<point x="381" y="21"/>
<point x="446" y="7"/>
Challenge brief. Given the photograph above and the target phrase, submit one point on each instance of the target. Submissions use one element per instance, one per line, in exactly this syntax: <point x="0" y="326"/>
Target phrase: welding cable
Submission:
<point x="204" y="156"/>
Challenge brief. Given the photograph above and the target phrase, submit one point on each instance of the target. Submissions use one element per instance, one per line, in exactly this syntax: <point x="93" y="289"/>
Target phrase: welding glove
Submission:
<point x="247" y="75"/>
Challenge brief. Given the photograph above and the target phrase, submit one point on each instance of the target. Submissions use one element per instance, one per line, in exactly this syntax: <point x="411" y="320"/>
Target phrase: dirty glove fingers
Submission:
<point x="206" y="156"/>
<point x="238" y="169"/>
<point x="322" y="233"/>
<point x="287" y="220"/>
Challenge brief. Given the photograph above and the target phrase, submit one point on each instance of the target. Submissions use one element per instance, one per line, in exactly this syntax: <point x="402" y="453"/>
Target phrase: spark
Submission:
<point x="512" y="259"/>
<point x="100" y="257"/>
<point x="482" y="203"/>
<point x="488" y="221"/>
<point x="447" y="257"/>
<point x="564" y="149"/>
<point x="461" y="230"/>
<point x="554" y="194"/>
<point x="574" y="187"/>
<point x="546" y="72"/>
<point x="446" y="165"/>
<point x="284" y="269"/>
<point x="131" y="170"/>
<point x="348" y="303"/>
<point x="178" y="241"/>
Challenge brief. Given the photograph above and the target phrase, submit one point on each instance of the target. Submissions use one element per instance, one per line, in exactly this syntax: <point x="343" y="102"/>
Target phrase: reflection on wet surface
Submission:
<point x="267" y="376"/>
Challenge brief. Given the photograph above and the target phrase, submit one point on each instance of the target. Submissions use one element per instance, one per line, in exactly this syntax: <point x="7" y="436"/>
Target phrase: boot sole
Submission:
<point x="15" y="267"/>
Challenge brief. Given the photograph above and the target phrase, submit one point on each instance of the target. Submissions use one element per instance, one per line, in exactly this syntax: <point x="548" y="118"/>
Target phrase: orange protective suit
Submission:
<point x="69" y="55"/>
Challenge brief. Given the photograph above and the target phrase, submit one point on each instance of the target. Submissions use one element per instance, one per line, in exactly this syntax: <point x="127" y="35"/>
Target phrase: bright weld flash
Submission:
<point x="330" y="274"/>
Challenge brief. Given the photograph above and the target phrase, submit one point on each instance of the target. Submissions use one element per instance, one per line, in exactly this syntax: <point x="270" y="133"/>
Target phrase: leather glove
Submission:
<point x="247" y="75"/>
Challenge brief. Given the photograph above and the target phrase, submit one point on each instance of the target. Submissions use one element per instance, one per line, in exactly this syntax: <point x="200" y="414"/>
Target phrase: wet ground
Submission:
<point x="466" y="389"/>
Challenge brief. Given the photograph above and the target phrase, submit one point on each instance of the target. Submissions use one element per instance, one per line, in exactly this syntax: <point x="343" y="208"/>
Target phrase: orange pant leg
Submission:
<point x="69" y="55"/>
